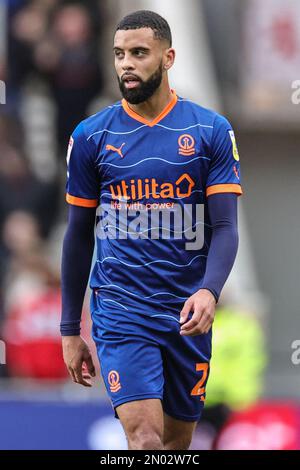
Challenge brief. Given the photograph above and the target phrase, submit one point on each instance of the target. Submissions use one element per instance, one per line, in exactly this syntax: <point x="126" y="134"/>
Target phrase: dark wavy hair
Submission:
<point x="147" y="19"/>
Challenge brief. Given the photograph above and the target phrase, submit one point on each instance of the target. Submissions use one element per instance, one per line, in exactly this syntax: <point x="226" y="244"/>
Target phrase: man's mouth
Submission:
<point x="130" y="81"/>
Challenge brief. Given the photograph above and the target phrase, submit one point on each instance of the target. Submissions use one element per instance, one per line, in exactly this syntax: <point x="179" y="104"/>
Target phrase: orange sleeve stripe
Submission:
<point x="224" y="188"/>
<point x="79" y="201"/>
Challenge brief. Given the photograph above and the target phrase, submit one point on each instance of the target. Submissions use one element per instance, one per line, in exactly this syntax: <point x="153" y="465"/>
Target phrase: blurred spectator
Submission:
<point x="32" y="303"/>
<point x="52" y="43"/>
<point x="71" y="61"/>
<point x="239" y="357"/>
<point x="28" y="25"/>
<point x="56" y="41"/>
<point x="11" y="132"/>
<point x="19" y="189"/>
<point x="266" y="425"/>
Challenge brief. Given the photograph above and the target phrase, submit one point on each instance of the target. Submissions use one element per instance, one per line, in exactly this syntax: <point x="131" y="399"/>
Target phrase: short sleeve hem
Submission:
<point x="224" y="188"/>
<point x="82" y="202"/>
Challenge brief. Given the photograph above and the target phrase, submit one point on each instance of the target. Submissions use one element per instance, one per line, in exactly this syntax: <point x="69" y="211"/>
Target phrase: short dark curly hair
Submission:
<point x="147" y="19"/>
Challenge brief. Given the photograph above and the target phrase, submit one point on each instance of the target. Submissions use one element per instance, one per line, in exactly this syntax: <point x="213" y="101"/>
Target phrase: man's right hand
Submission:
<point x="78" y="360"/>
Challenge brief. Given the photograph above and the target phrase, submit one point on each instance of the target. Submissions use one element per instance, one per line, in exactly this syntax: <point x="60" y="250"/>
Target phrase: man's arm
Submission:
<point x="222" y="209"/>
<point x="77" y="253"/>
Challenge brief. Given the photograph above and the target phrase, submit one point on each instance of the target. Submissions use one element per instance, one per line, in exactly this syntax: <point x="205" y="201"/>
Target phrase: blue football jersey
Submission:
<point x="150" y="181"/>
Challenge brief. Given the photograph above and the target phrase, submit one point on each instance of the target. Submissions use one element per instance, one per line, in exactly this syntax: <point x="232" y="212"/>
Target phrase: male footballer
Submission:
<point x="154" y="179"/>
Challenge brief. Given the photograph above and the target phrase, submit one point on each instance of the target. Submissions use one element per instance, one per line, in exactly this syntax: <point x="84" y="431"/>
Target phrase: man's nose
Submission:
<point x="127" y="63"/>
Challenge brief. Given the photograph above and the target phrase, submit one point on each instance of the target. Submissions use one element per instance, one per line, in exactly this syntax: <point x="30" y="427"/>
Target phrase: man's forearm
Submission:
<point x="224" y="243"/>
<point x="77" y="256"/>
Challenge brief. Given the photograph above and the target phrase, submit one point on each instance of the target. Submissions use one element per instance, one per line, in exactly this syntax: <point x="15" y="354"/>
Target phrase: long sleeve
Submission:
<point x="222" y="209"/>
<point x="77" y="253"/>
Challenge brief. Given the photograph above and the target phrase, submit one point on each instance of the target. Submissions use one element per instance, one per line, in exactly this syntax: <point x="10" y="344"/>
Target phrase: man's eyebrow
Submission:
<point x="140" y="48"/>
<point x="135" y="48"/>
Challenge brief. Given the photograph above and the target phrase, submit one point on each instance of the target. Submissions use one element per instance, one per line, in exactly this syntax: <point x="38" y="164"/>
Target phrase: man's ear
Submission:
<point x="169" y="58"/>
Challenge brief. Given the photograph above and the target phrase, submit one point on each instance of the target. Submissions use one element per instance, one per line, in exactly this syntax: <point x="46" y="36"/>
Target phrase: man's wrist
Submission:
<point x="212" y="291"/>
<point x="70" y="333"/>
<point x="70" y="328"/>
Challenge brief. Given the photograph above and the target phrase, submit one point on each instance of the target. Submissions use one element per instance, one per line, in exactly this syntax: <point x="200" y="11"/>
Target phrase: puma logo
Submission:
<point x="115" y="149"/>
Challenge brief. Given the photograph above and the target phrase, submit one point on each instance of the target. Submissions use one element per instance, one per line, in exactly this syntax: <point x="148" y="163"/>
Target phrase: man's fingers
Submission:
<point x="86" y="376"/>
<point x="190" y="324"/>
<point x="71" y="372"/>
<point x="192" y="332"/>
<point x="202" y="326"/>
<point x="206" y="321"/>
<point x="78" y="375"/>
<point x="202" y="304"/>
<point x="185" y="311"/>
<point x="83" y="382"/>
<point x="78" y="359"/>
<point x="193" y="321"/>
<point x="90" y="365"/>
<point x="207" y="329"/>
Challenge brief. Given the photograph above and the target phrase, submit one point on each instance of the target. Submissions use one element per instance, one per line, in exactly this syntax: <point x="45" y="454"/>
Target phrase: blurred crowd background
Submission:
<point x="56" y="68"/>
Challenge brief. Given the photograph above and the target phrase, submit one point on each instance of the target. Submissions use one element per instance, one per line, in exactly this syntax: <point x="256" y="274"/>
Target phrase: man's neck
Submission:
<point x="151" y="108"/>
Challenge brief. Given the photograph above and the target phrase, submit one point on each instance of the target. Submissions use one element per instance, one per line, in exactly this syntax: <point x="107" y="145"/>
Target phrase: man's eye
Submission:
<point x="139" y="53"/>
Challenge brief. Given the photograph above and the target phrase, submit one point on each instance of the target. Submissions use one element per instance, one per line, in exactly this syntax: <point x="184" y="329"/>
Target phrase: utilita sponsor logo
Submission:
<point x="144" y="188"/>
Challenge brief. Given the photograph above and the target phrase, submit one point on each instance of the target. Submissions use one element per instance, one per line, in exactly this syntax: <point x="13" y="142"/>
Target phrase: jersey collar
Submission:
<point x="158" y="118"/>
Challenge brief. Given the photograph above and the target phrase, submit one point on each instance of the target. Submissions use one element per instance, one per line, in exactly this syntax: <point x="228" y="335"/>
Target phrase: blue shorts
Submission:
<point x="144" y="357"/>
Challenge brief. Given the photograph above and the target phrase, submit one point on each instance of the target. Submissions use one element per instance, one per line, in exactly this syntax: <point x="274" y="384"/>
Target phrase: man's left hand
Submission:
<point x="203" y="304"/>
